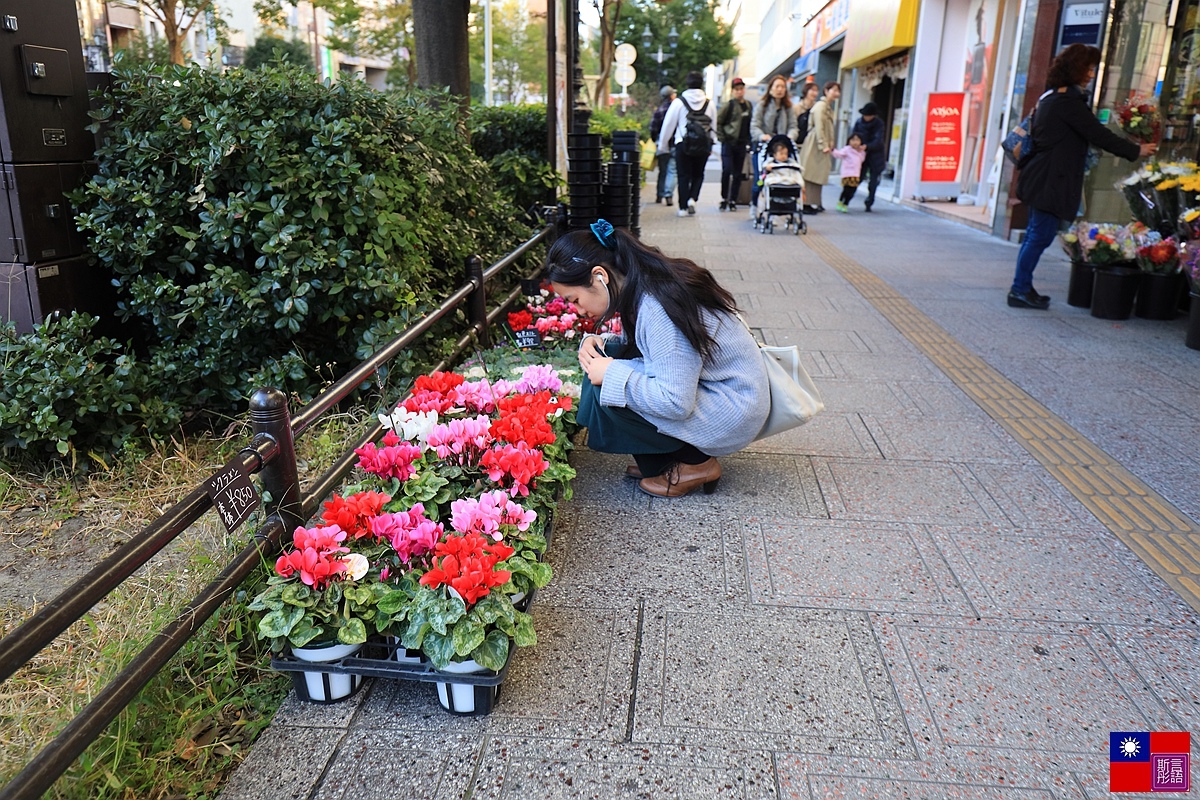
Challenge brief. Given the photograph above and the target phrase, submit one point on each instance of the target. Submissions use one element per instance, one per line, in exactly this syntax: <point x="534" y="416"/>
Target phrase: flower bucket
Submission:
<point x="464" y="698"/>
<point x="1113" y="291"/>
<point x="1079" y="289"/>
<point x="325" y="687"/>
<point x="1193" y="328"/>
<point x="1158" y="296"/>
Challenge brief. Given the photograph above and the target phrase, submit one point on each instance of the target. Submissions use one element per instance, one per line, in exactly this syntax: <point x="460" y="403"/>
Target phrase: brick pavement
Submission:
<point x="899" y="600"/>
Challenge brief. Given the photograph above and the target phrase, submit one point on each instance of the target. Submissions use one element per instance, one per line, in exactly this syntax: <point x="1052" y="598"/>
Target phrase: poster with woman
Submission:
<point x="977" y="81"/>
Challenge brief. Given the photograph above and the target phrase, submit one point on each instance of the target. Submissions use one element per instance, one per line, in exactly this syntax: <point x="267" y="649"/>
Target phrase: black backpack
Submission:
<point x="697" y="136"/>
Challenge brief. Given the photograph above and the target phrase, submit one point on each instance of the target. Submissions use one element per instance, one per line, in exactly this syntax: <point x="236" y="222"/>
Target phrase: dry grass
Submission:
<point x="191" y="725"/>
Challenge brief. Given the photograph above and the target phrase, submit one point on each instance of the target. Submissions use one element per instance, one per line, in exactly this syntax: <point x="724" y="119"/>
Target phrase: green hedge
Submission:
<point x="512" y="139"/>
<point x="266" y="229"/>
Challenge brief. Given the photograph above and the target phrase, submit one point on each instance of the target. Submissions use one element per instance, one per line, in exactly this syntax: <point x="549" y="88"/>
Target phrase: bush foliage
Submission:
<point x="512" y="139"/>
<point x="265" y="229"/>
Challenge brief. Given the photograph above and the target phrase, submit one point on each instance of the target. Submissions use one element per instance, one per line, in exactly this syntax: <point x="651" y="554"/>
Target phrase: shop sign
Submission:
<point x="881" y="28"/>
<point x="943" y="137"/>
<point x="828" y="24"/>
<point x="1082" y="23"/>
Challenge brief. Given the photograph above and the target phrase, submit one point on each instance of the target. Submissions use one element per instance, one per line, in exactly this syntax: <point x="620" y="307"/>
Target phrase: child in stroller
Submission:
<point x="782" y="185"/>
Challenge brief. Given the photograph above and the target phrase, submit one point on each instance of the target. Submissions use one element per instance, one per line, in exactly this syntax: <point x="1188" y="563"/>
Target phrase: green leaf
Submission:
<point x="353" y="632"/>
<point x="493" y="652"/>
<point x="468" y="634"/>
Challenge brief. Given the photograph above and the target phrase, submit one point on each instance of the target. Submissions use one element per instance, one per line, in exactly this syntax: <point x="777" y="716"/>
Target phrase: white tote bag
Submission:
<point x="794" y="397"/>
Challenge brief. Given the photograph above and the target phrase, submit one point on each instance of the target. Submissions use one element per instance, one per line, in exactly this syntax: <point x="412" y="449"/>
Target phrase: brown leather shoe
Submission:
<point x="633" y="471"/>
<point x="680" y="479"/>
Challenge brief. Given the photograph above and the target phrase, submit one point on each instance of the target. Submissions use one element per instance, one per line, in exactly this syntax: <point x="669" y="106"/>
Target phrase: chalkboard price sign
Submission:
<point x="528" y="338"/>
<point x="531" y="287"/>
<point x="232" y="494"/>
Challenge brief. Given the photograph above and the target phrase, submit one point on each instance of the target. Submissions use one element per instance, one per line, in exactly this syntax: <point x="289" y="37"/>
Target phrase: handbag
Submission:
<point x="1018" y="144"/>
<point x="794" y="397"/>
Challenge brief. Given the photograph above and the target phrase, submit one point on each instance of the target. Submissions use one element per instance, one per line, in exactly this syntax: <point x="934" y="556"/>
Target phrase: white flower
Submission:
<point x="356" y="565"/>
<point x="413" y="426"/>
<point x="475" y="373"/>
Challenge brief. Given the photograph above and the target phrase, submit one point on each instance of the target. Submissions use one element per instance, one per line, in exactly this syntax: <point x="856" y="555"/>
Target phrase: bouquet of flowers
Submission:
<point x="1070" y="244"/>
<point x="1189" y="224"/>
<point x="1104" y="243"/>
<point x="1140" y="119"/>
<point x="1139" y="190"/>
<point x="1157" y="255"/>
<point x="1189" y="259"/>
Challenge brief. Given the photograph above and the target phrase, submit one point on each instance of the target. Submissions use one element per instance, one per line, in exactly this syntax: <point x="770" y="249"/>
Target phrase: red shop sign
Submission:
<point x="943" y="137"/>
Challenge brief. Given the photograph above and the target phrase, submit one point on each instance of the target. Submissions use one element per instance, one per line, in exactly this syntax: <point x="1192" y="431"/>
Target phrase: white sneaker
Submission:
<point x="753" y="213"/>
<point x="683" y="212"/>
<point x="691" y="209"/>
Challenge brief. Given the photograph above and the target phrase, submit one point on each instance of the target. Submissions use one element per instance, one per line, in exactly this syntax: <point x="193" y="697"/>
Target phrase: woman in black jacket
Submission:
<point x="1051" y="181"/>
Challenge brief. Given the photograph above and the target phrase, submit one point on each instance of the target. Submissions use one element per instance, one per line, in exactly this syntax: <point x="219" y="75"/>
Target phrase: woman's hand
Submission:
<point x="1147" y="149"/>
<point x="594" y="362"/>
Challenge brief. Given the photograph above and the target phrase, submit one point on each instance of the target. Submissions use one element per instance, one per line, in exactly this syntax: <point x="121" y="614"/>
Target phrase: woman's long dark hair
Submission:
<point x="785" y="101"/>
<point x="1070" y="67"/>
<point x="683" y="287"/>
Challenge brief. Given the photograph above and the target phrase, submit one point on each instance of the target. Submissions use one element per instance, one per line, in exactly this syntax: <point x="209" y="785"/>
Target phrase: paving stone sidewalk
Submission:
<point x="895" y="601"/>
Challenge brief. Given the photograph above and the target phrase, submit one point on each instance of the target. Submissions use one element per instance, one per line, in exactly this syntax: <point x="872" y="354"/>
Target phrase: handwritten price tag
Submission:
<point x="232" y="494"/>
<point x="528" y="338"/>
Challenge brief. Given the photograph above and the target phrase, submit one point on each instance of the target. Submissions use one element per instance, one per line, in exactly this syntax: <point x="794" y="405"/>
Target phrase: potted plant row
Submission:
<point x="430" y="558"/>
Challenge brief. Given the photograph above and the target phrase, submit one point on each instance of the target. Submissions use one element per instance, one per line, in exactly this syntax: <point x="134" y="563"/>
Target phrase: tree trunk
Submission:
<point x="610" y="14"/>
<point x="440" y="33"/>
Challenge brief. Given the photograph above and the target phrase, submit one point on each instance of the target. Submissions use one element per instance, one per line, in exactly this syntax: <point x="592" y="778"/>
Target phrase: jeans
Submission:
<point x="876" y="172"/>
<point x="666" y="175"/>
<point x="732" y="158"/>
<point x="756" y="187"/>
<point x="1039" y="234"/>
<point x="691" y="175"/>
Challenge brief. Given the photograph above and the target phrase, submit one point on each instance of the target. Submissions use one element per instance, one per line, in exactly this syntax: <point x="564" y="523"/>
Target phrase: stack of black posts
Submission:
<point x="584" y="178"/>
<point x="624" y="174"/>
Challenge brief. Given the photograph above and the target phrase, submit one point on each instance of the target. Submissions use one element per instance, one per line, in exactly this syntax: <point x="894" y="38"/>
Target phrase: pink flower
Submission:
<point x="410" y="532"/>
<point x="393" y="460"/>
<point x="537" y="378"/>
<point x="514" y="467"/>
<point x="461" y="441"/>
<point x="317" y="556"/>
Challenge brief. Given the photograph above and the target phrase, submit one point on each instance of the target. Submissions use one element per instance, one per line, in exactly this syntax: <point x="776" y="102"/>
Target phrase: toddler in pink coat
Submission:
<point x="852" y="156"/>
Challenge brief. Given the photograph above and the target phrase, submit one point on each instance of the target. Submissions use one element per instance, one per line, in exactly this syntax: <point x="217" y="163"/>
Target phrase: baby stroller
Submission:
<point x="781" y="189"/>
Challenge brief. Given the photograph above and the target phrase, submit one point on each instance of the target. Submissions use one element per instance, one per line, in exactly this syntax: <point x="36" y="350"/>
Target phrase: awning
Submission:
<point x="881" y="28"/>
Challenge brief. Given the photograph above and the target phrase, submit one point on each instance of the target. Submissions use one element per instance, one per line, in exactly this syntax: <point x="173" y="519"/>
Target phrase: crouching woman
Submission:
<point x="683" y="383"/>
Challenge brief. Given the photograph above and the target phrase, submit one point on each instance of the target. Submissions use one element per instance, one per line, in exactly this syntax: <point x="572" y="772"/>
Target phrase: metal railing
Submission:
<point x="271" y="453"/>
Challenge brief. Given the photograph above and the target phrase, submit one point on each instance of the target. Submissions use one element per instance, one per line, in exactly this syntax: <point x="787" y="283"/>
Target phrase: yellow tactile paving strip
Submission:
<point x="1167" y="540"/>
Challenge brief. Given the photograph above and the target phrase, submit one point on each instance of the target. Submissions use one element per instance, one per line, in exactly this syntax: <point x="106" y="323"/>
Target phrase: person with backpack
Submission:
<point x="689" y="125"/>
<point x="733" y="132"/>
<point x="666" y="161"/>
<point x="773" y="116"/>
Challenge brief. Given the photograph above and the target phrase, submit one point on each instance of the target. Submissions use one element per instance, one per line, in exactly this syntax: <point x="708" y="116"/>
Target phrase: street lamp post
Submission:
<point x="660" y="56"/>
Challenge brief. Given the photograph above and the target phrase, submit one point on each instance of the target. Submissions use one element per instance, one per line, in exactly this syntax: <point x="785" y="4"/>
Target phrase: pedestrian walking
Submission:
<point x="869" y="130"/>
<point x="688" y="124"/>
<point x="852" y="155"/>
<point x="818" y="144"/>
<point x="808" y="98"/>
<point x="683" y="383"/>
<point x="733" y="132"/>
<point x="666" y="161"/>
<point x="1051" y="181"/>
<point x="773" y="116"/>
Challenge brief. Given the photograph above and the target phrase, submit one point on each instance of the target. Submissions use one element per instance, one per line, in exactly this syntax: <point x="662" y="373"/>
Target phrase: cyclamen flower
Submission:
<point x="536" y="378"/>
<point x="393" y="460"/>
<point x="478" y="397"/>
<point x="413" y="426"/>
<point x="316" y="556"/>
<point x="410" y="532"/>
<point x="524" y="425"/>
<point x="520" y="320"/>
<point x="466" y="564"/>
<point x="477" y="515"/>
<point x="352" y="514"/>
<point x="514" y="467"/>
<point x="425" y="400"/>
<point x="461" y="441"/>
<point x="510" y="513"/>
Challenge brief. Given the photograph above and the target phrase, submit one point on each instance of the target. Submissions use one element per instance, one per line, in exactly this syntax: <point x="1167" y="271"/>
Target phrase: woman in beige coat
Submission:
<point x="814" y="154"/>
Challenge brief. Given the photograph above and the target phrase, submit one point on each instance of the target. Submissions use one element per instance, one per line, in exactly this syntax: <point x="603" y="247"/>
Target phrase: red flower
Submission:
<point x="316" y="556"/>
<point x="467" y="565"/>
<point x="520" y="320"/>
<point x="393" y="460"/>
<point x="353" y="514"/>
<point x="526" y="425"/>
<point x="440" y="382"/>
<point x="514" y="467"/>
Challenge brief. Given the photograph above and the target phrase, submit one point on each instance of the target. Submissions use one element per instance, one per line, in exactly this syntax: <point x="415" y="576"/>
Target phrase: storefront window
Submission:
<point x="1181" y="87"/>
<point x="1135" y="60"/>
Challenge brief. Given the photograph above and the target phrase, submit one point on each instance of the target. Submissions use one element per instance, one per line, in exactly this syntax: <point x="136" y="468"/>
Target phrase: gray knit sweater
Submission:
<point x="718" y="405"/>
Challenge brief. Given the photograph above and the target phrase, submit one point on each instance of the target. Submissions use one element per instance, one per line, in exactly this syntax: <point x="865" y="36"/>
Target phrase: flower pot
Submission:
<point x="325" y="687"/>
<point x="1113" y="291"/>
<point x="1079" y="289"/>
<point x="403" y="654"/>
<point x="1193" y="328"/>
<point x="464" y="698"/>
<point x="1158" y="296"/>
